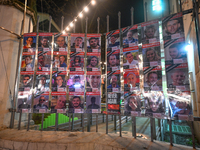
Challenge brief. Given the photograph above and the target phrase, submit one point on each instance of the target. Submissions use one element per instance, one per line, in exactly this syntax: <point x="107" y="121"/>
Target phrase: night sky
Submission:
<point x="70" y="8"/>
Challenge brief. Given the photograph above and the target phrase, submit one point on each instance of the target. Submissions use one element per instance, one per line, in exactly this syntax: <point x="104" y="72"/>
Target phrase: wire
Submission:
<point x="5" y="71"/>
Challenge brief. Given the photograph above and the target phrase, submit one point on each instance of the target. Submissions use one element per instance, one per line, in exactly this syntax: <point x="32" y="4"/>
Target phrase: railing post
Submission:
<point x="134" y="127"/>
<point x="19" y="123"/>
<point x="115" y="120"/>
<point x="56" y="122"/>
<point x="72" y="121"/>
<point x="170" y="132"/>
<point x="193" y="139"/>
<point x="151" y="120"/>
<point x="42" y="122"/>
<point x="120" y="126"/>
<point x="29" y="115"/>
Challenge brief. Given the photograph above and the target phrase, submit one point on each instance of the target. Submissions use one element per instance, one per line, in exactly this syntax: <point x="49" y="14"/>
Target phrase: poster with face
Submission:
<point x="151" y="55"/>
<point x="131" y="80"/>
<point x="59" y="83"/>
<point x="150" y="32"/>
<point x="93" y="83"/>
<point x="58" y="104"/>
<point x="26" y="81"/>
<point x="153" y="78"/>
<point x="113" y="103"/>
<point x="130" y="36"/>
<point x="77" y="42"/>
<point x="45" y="42"/>
<point x="132" y="105"/>
<point x="177" y="77"/>
<point x="93" y="62"/>
<point x="59" y="62"/>
<point x="77" y="61"/>
<point x="113" y="41"/>
<point x="29" y="42"/>
<point x="41" y="103"/>
<point x="42" y="83"/>
<point x="93" y="104"/>
<point x="173" y="27"/>
<point x="175" y="52"/>
<point x="180" y="106"/>
<point x="93" y="43"/>
<point x="114" y="82"/>
<point x="24" y="102"/>
<point x="27" y="63"/>
<point x="76" y="83"/>
<point x="44" y="61"/>
<point x="60" y="43"/>
<point x="155" y="104"/>
<point x="76" y="104"/>
<point x="113" y="61"/>
<point x="131" y="58"/>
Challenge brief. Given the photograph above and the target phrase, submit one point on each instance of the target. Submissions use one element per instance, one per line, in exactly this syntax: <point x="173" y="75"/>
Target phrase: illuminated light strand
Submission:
<point x="80" y="15"/>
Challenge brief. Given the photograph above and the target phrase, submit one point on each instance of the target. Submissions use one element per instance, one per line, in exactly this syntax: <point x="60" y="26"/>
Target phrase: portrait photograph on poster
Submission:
<point x="131" y="59"/>
<point x="76" y="83"/>
<point x="178" y="78"/>
<point x="41" y="104"/>
<point x="154" y="104"/>
<point x="24" y="102"/>
<point x="59" y="62"/>
<point x="180" y="104"/>
<point x="28" y="63"/>
<point x="113" y="40"/>
<point x="76" y="104"/>
<point x="59" y="82"/>
<point x="150" y="32"/>
<point x="26" y="81"/>
<point x="93" y="83"/>
<point x="42" y="83"/>
<point x="58" y="103"/>
<point x="29" y="40"/>
<point x="44" y="61"/>
<point x="114" y="82"/>
<point x="93" y="103"/>
<point x="93" y="62"/>
<point x="173" y="27"/>
<point x="130" y="36"/>
<point x="113" y="61"/>
<point x="93" y="43"/>
<point x="175" y="52"/>
<point x="153" y="79"/>
<point x="60" y="43"/>
<point x="151" y="56"/>
<point x="77" y="42"/>
<point x="131" y="80"/>
<point x="132" y="105"/>
<point x="45" y="42"/>
<point x="77" y="62"/>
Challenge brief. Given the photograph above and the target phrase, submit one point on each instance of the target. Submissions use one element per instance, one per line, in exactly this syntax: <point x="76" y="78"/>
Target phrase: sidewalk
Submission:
<point x="11" y="139"/>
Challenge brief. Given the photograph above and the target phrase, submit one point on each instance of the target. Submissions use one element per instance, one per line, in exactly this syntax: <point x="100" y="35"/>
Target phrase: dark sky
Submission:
<point x="70" y="8"/>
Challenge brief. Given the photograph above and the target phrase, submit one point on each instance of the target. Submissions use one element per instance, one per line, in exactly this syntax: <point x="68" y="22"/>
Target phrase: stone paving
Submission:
<point x="12" y="139"/>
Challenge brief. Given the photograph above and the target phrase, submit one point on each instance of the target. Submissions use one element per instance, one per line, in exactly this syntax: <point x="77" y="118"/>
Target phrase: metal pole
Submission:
<point x="180" y="5"/>
<point x="42" y="123"/>
<point x="50" y="18"/>
<point x="120" y="126"/>
<point x="151" y="119"/>
<point x="146" y="11"/>
<point x="19" y="123"/>
<point x="193" y="139"/>
<point x="106" y="82"/>
<point x="17" y="75"/>
<point x="132" y="16"/>
<point x="72" y="121"/>
<point x="56" y="122"/>
<point x="119" y="19"/>
<point x="98" y="19"/>
<point x="83" y="123"/>
<point x="88" y="122"/>
<point x="29" y="26"/>
<point x="134" y="127"/>
<point x="69" y="122"/>
<point x="170" y="132"/>
<point x="29" y="116"/>
<point x="97" y="123"/>
<point x="62" y="21"/>
<point x="74" y="26"/>
<point x="106" y="123"/>
<point x="115" y="120"/>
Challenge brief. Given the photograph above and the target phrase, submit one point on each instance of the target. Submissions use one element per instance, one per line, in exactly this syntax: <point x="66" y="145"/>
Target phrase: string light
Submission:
<point x="86" y="9"/>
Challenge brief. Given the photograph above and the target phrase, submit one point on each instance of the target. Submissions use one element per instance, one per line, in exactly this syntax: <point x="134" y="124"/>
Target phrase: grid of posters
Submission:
<point x="113" y="72"/>
<point x="26" y="75"/>
<point x="76" y="80"/>
<point x="93" y="75"/>
<point x="41" y="96"/>
<point x="176" y="67"/>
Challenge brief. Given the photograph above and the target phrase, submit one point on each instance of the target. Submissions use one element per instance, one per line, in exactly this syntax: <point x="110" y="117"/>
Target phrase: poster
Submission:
<point x="76" y="104"/>
<point x="177" y="77"/>
<point x="132" y="104"/>
<point x="60" y="43"/>
<point x="42" y="83"/>
<point x="41" y="103"/>
<point x="173" y="27"/>
<point x="93" y="103"/>
<point x="154" y="104"/>
<point x="93" y="84"/>
<point x="153" y="78"/>
<point x="151" y="55"/>
<point x="150" y="32"/>
<point x="58" y="104"/>
<point x="131" y="58"/>
<point x="175" y="52"/>
<point x="130" y="36"/>
<point x="114" y="83"/>
<point x="113" y="102"/>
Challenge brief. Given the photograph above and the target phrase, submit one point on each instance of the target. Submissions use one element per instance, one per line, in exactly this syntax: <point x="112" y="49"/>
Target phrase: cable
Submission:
<point x="5" y="70"/>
